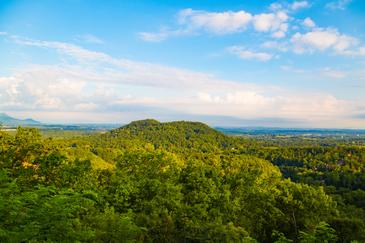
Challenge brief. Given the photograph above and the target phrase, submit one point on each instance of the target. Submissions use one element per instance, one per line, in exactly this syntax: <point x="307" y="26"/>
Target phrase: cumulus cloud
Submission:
<point x="40" y="87"/>
<point x="318" y="40"/>
<point x="274" y="22"/>
<point x="243" y="53"/>
<point x="191" y="21"/>
<point x="216" y="22"/>
<point x="221" y="23"/>
<point x="299" y="4"/>
<point x="323" y="39"/>
<point x="308" y="22"/>
<point x="9" y="91"/>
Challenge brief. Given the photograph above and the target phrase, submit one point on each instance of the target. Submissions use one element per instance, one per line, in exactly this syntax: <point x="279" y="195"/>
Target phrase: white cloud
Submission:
<point x="215" y="22"/>
<point x="243" y="53"/>
<point x="319" y="39"/>
<point x="41" y="87"/>
<point x="299" y="4"/>
<point x="275" y="22"/>
<point x="308" y="22"/>
<point x="278" y="34"/>
<point x="191" y="21"/>
<point x="338" y="5"/>
<point x="9" y="90"/>
<point x="323" y="39"/>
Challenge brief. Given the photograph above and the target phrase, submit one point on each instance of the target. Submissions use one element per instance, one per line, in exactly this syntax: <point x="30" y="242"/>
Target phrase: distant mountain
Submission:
<point x="7" y="120"/>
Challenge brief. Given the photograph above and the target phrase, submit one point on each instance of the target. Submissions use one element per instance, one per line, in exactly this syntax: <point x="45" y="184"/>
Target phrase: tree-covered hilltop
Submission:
<point x="177" y="182"/>
<point x="175" y="136"/>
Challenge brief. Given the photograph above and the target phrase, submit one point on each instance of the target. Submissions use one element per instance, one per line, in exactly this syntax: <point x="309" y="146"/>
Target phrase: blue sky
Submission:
<point x="240" y="63"/>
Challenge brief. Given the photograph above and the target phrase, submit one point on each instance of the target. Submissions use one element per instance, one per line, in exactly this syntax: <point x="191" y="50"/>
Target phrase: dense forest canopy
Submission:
<point x="178" y="182"/>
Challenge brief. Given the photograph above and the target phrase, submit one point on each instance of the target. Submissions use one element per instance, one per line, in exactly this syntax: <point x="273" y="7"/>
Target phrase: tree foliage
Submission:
<point x="176" y="182"/>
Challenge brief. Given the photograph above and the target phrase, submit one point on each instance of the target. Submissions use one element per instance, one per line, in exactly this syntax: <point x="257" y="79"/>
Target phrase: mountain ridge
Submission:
<point x="7" y="120"/>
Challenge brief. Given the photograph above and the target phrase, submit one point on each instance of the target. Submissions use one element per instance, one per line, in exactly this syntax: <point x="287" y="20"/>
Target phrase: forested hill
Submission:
<point x="177" y="182"/>
<point x="175" y="136"/>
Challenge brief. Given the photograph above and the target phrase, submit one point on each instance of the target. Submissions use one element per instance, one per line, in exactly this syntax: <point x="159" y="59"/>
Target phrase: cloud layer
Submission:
<point x="97" y="83"/>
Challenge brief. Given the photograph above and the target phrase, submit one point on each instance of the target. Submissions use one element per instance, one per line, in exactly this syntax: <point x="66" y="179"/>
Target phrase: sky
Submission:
<point x="227" y="63"/>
